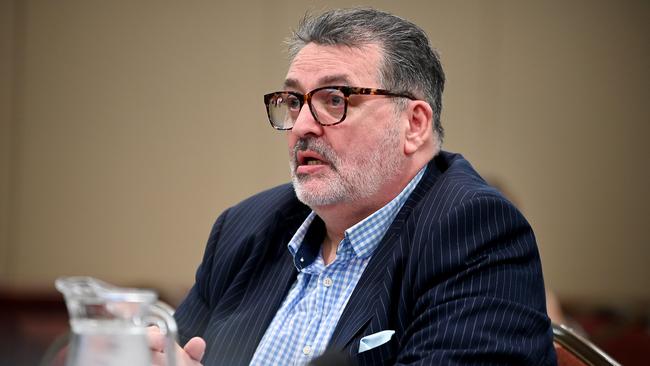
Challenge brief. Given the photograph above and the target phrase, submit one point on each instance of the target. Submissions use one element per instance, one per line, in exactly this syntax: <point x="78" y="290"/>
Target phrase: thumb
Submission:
<point x="195" y="348"/>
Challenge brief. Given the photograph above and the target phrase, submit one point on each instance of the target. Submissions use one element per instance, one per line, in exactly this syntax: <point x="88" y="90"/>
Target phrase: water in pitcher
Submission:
<point x="107" y="343"/>
<point x="109" y="323"/>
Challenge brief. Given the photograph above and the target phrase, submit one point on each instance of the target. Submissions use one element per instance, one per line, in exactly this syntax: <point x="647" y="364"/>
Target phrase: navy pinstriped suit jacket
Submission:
<point x="457" y="276"/>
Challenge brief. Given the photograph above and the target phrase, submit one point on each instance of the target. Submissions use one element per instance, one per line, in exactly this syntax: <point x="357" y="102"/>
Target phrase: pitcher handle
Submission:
<point x="162" y="316"/>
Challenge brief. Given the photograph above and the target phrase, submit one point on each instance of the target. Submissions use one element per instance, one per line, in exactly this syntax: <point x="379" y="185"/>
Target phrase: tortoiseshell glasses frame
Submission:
<point x="328" y="104"/>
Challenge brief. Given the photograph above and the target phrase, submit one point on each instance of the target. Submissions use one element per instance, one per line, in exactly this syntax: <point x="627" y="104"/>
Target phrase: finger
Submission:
<point x="195" y="348"/>
<point x="155" y="339"/>
<point x="158" y="359"/>
<point x="163" y="358"/>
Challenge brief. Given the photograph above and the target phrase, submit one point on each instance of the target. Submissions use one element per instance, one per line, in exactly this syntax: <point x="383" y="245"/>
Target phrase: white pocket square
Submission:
<point x="375" y="340"/>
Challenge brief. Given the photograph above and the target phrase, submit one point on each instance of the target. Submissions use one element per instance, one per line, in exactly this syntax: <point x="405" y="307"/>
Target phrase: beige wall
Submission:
<point x="127" y="127"/>
<point x="7" y="83"/>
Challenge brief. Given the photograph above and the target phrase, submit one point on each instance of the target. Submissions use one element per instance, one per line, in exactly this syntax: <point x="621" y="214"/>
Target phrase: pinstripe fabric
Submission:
<point x="457" y="276"/>
<point x="306" y="320"/>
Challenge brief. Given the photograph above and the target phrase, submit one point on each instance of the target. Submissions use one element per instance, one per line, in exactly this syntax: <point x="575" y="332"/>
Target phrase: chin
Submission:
<point x="316" y="195"/>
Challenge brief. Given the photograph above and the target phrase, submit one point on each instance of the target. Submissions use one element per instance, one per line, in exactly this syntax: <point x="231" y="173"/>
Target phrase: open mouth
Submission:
<point x="310" y="158"/>
<point x="312" y="161"/>
<point x="309" y="162"/>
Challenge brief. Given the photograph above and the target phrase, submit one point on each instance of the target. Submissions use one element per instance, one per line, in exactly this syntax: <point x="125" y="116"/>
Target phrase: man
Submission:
<point x="384" y="249"/>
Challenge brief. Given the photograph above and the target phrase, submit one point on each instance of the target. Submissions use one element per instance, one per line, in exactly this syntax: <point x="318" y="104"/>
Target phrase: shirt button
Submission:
<point x="307" y="350"/>
<point x="327" y="282"/>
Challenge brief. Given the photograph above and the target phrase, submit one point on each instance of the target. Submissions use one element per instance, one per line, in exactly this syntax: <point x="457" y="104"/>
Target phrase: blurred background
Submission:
<point x="126" y="127"/>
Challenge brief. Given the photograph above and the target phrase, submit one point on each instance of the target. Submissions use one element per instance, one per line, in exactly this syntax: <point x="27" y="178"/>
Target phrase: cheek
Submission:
<point x="355" y="150"/>
<point x="291" y="141"/>
<point x="343" y="145"/>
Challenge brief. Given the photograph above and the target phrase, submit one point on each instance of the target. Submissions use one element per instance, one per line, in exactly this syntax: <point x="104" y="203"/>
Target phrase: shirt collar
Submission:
<point x="363" y="237"/>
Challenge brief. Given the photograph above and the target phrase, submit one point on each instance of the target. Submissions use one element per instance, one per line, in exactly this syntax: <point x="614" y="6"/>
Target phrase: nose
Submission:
<point x="306" y="124"/>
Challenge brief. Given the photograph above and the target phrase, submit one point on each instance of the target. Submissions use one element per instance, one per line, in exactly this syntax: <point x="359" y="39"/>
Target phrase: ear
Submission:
<point x="418" y="130"/>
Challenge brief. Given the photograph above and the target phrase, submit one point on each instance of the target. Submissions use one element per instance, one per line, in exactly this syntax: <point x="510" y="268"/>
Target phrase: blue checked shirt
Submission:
<point x="304" y="324"/>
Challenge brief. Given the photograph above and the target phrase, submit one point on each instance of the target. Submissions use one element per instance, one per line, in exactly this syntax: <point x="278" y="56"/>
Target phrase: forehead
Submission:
<point x="319" y="65"/>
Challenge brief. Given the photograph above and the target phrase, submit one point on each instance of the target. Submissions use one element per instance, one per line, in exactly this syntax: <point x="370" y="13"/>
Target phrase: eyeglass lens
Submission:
<point x="328" y="107"/>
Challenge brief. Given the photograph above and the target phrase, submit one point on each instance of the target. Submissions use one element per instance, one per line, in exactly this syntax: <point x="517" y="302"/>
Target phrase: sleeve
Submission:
<point x="478" y="297"/>
<point x="193" y="313"/>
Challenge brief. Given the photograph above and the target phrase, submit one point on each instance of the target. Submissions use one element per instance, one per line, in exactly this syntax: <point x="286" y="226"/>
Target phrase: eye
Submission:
<point x="293" y="103"/>
<point x="335" y="100"/>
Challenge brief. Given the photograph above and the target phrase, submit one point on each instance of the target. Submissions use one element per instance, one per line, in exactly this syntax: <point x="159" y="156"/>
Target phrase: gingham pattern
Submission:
<point x="304" y="324"/>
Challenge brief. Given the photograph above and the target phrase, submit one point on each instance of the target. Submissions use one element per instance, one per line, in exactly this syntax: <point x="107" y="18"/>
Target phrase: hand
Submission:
<point x="190" y="355"/>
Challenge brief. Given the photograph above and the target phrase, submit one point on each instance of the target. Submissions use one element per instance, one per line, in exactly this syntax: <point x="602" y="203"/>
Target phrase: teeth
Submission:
<point x="313" y="162"/>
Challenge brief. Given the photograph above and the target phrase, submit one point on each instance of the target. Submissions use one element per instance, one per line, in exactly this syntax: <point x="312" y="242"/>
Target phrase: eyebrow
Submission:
<point x="329" y="79"/>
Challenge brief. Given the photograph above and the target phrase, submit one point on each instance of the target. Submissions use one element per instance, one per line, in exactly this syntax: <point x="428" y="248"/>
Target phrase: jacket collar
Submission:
<point x="359" y="310"/>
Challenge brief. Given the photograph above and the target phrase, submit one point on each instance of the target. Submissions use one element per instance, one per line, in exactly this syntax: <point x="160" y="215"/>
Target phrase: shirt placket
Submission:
<point x="313" y="317"/>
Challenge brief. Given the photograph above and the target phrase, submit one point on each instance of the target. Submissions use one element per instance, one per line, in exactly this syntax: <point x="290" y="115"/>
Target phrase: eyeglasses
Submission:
<point x="328" y="104"/>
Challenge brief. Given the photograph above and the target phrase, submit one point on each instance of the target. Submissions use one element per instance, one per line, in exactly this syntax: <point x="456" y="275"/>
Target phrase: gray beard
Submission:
<point x="356" y="179"/>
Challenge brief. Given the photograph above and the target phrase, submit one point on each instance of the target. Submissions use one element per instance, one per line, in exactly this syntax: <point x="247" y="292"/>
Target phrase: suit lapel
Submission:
<point x="366" y="300"/>
<point x="362" y="303"/>
<point x="262" y="300"/>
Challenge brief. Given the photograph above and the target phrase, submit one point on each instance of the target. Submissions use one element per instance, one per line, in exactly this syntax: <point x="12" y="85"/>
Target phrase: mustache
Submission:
<point x="317" y="146"/>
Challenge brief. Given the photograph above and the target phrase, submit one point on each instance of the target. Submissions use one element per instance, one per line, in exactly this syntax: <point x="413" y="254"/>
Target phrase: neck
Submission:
<point x="341" y="216"/>
<point x="337" y="219"/>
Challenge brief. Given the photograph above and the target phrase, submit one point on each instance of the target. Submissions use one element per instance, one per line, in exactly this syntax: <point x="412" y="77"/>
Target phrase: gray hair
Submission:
<point x="409" y="65"/>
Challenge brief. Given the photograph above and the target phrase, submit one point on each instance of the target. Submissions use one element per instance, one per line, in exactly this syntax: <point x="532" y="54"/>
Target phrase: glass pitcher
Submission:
<point x="109" y="323"/>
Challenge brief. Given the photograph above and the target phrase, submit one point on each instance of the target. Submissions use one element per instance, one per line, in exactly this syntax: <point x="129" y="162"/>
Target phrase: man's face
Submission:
<point x="354" y="160"/>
